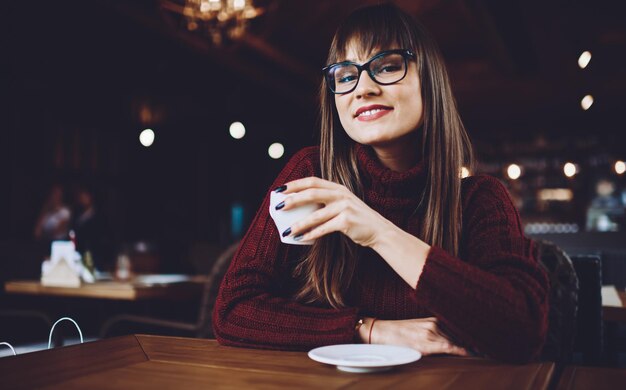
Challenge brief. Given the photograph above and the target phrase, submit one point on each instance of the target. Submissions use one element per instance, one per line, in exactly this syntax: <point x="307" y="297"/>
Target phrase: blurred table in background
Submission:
<point x="170" y="287"/>
<point x="176" y="297"/>
<point x="613" y="304"/>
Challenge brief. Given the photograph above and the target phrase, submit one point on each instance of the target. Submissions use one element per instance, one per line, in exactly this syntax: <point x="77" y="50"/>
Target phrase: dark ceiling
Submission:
<point x="512" y="63"/>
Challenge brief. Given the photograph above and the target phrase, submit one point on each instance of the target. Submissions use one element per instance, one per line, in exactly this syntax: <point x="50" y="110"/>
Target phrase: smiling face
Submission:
<point x="382" y="116"/>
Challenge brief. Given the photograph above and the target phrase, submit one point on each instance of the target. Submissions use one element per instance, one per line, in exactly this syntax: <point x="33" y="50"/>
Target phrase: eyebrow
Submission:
<point x="374" y="53"/>
<point x="356" y="61"/>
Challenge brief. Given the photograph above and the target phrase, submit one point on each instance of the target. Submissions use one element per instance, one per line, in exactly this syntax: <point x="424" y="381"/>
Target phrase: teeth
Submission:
<point x="370" y="112"/>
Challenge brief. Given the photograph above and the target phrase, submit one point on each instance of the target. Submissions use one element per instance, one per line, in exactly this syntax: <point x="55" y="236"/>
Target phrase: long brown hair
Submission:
<point x="328" y="268"/>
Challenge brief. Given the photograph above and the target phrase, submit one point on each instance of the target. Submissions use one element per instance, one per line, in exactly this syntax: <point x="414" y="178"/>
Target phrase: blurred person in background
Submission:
<point x="405" y="251"/>
<point x="54" y="219"/>
<point x="90" y="228"/>
<point x="606" y="211"/>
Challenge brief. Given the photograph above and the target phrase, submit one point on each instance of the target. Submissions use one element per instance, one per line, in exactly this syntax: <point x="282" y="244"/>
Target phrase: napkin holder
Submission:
<point x="65" y="268"/>
<point x="61" y="274"/>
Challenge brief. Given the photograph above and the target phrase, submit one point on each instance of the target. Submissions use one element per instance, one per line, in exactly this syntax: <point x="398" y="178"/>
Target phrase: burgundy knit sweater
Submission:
<point x="491" y="299"/>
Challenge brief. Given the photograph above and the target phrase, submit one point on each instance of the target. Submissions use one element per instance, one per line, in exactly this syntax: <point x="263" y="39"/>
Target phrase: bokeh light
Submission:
<point x="237" y="130"/>
<point x="570" y="169"/>
<point x="146" y="137"/>
<point x="586" y="102"/>
<point x="514" y="171"/>
<point x="584" y="59"/>
<point x="276" y="150"/>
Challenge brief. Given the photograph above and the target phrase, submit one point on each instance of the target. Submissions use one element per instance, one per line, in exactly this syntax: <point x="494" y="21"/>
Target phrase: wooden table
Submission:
<point x="128" y="291"/>
<point x="596" y="378"/>
<point x="157" y="362"/>
<point x="613" y="304"/>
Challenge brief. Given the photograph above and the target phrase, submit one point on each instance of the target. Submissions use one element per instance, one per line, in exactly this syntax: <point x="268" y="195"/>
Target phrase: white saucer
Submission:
<point x="160" y="279"/>
<point x="364" y="357"/>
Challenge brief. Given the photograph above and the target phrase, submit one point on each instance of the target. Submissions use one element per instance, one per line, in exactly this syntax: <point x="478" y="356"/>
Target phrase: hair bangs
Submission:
<point x="372" y="29"/>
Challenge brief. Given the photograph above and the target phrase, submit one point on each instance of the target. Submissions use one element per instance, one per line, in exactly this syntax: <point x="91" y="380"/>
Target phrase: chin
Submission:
<point x="371" y="141"/>
<point x="369" y="136"/>
<point x="381" y="138"/>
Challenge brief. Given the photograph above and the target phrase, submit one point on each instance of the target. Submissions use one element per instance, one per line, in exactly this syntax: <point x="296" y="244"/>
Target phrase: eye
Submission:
<point x="387" y="64"/>
<point x="343" y="76"/>
<point x="389" y="68"/>
<point x="346" y="79"/>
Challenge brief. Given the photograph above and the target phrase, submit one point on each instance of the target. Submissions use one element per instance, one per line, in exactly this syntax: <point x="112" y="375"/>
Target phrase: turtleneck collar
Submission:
<point x="383" y="185"/>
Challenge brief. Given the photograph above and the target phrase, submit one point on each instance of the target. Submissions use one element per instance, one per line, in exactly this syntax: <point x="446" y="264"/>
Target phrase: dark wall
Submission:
<point x="83" y="80"/>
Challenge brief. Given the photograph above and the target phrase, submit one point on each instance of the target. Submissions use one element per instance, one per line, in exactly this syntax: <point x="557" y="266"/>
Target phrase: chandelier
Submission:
<point x="221" y="20"/>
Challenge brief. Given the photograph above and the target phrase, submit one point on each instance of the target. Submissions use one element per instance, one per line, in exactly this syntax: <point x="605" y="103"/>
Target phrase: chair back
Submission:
<point x="589" y="325"/>
<point x="211" y="288"/>
<point x="200" y="328"/>
<point x="563" y="301"/>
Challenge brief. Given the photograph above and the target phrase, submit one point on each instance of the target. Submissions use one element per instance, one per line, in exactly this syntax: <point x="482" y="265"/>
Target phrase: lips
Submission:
<point x="372" y="112"/>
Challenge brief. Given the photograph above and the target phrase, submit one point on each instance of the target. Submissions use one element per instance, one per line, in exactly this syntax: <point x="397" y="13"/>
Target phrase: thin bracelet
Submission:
<point x="369" y="340"/>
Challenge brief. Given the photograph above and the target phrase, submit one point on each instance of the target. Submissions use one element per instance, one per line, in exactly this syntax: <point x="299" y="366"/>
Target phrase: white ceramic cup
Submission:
<point x="284" y="219"/>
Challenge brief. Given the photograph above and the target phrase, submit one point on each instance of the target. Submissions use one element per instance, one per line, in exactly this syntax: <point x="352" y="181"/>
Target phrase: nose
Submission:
<point x="366" y="86"/>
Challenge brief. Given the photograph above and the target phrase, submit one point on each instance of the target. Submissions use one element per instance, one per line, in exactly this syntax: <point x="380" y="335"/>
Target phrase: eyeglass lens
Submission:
<point x="386" y="69"/>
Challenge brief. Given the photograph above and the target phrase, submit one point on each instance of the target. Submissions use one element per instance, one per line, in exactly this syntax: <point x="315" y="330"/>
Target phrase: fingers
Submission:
<point x="316" y="219"/>
<point x="441" y="347"/>
<point x="456" y="350"/>
<point x="422" y="334"/>
<point x="326" y="220"/>
<point x="309" y="182"/>
<point x="435" y="341"/>
<point x="452" y="349"/>
<point x="337" y="223"/>
<point x="311" y="196"/>
<point x="342" y="211"/>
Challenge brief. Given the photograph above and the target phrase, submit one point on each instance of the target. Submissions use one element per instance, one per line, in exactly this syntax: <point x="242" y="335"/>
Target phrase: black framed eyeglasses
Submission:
<point x="384" y="68"/>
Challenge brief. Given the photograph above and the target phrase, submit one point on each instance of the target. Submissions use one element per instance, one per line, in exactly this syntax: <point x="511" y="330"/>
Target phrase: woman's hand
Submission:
<point x="342" y="211"/>
<point x="421" y="334"/>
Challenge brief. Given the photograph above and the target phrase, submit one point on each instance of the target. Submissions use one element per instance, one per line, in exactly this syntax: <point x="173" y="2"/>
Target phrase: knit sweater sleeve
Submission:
<point x="494" y="299"/>
<point x="253" y="308"/>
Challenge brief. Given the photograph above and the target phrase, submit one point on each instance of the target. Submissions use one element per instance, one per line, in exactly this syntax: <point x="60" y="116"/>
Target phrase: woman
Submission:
<point x="406" y="252"/>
